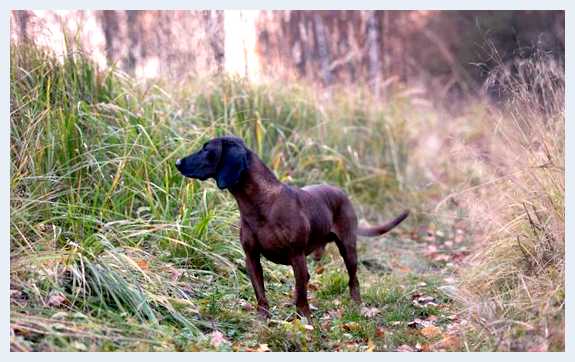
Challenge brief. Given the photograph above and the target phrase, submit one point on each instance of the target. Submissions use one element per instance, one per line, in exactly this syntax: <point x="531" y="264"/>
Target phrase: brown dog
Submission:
<point x="281" y="222"/>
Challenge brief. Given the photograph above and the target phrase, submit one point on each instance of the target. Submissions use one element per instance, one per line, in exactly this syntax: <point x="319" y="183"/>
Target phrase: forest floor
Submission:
<point x="407" y="280"/>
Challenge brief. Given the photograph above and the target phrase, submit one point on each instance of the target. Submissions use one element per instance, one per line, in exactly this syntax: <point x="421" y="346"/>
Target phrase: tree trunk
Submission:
<point x="374" y="65"/>
<point x="323" y="50"/>
<point x="110" y="28"/>
<point x="133" y="40"/>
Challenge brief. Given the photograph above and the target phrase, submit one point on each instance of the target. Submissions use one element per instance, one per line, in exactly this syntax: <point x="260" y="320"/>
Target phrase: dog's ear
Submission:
<point x="233" y="161"/>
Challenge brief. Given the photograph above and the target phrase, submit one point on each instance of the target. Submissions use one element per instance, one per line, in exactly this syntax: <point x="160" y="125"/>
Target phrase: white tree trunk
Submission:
<point x="240" y="43"/>
<point x="373" y="52"/>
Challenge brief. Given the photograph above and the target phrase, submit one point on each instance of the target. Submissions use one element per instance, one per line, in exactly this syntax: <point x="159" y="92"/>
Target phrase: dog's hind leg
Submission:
<point x="345" y="228"/>
<point x="347" y="249"/>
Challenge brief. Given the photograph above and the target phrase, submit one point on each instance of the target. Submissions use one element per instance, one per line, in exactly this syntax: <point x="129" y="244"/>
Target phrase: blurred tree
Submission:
<point x="448" y="52"/>
<point x="110" y="27"/>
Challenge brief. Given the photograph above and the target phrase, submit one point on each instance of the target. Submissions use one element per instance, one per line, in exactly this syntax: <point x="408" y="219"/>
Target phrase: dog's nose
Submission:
<point x="178" y="162"/>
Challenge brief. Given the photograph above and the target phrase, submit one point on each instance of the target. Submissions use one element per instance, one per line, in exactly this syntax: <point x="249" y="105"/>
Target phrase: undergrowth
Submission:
<point x="112" y="249"/>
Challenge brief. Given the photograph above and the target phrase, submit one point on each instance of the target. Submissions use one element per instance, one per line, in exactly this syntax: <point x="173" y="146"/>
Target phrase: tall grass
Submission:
<point x="111" y="242"/>
<point x="515" y="287"/>
<point x="102" y="224"/>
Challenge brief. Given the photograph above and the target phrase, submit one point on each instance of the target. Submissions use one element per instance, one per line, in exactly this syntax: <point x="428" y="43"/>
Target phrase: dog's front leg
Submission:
<point x="256" y="274"/>
<point x="301" y="278"/>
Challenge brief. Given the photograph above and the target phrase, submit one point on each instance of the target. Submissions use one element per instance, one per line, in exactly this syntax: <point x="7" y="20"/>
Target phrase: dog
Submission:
<point x="280" y="222"/>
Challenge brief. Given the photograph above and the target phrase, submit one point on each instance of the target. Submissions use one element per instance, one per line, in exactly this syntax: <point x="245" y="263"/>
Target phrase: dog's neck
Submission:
<point x="257" y="188"/>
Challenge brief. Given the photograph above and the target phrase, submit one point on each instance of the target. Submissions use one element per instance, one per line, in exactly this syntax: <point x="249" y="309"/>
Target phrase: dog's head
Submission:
<point x="223" y="159"/>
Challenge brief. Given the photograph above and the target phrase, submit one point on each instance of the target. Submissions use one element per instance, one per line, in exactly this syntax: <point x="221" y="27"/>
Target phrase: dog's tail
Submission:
<point x="382" y="229"/>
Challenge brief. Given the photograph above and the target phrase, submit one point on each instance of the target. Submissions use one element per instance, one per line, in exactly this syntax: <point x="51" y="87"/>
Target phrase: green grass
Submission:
<point x="100" y="216"/>
<point x="112" y="249"/>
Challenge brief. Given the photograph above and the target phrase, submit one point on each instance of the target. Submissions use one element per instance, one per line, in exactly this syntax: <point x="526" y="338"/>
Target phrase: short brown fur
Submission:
<point x="285" y="223"/>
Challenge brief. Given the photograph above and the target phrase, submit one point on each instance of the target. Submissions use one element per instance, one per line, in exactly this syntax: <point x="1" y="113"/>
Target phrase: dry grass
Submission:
<point x="514" y="288"/>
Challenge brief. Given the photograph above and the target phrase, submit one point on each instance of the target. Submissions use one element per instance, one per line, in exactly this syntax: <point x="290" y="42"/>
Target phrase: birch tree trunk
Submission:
<point x="374" y="64"/>
<point x="240" y="38"/>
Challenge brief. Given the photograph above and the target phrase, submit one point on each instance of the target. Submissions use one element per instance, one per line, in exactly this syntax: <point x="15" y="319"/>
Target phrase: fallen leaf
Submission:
<point x="431" y="249"/>
<point x="379" y="331"/>
<point x="405" y="348"/>
<point x="263" y="348"/>
<point x="60" y="315"/>
<point x="176" y="274"/>
<point x="420" y="323"/>
<point x="424" y="348"/>
<point x="18" y="297"/>
<point x="459" y="237"/>
<point x="351" y="326"/>
<point x="217" y="338"/>
<point x="245" y="305"/>
<point x="540" y="348"/>
<point x="430" y="332"/>
<point x="312" y="286"/>
<point x="441" y="257"/>
<point x="319" y="269"/>
<point x="459" y="256"/>
<point x="404" y="269"/>
<point x="449" y="342"/>
<point x="352" y="346"/>
<point x="56" y="299"/>
<point x="335" y="313"/>
<point x="370" y="346"/>
<point x="423" y="301"/>
<point x="142" y="264"/>
<point x="59" y="326"/>
<point x="79" y="346"/>
<point x="326" y="324"/>
<point x="369" y="312"/>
